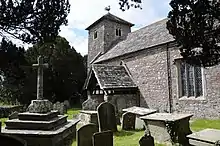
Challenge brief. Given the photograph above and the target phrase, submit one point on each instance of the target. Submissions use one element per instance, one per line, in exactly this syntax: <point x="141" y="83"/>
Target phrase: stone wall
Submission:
<point x="206" y="106"/>
<point x="5" y="111"/>
<point x="122" y="101"/>
<point x="149" y="71"/>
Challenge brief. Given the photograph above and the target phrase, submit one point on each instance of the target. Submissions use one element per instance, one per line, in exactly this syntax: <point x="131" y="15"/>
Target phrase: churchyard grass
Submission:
<point x="73" y="112"/>
<point x="201" y="124"/>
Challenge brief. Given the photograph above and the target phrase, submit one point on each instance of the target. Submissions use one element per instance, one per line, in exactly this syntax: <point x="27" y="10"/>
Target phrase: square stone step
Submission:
<point x="36" y="125"/>
<point x="38" y="116"/>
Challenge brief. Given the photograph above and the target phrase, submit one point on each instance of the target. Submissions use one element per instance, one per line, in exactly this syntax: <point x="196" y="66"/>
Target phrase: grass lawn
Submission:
<point x="131" y="138"/>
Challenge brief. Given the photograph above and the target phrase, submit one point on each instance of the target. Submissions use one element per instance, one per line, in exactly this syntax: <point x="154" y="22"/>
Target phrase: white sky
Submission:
<point x="85" y="12"/>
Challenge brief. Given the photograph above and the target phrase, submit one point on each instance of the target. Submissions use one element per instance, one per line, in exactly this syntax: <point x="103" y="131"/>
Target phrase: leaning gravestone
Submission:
<point x="128" y="121"/>
<point x="106" y="117"/>
<point x="85" y="133"/>
<point x="11" y="141"/>
<point x="103" y="138"/>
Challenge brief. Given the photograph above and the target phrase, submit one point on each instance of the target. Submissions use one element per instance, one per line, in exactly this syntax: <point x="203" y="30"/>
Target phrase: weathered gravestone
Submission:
<point x="85" y="134"/>
<point x="103" y="138"/>
<point x="128" y="121"/>
<point x="106" y="117"/>
<point x="11" y="141"/>
<point x="60" y="107"/>
<point x="67" y="104"/>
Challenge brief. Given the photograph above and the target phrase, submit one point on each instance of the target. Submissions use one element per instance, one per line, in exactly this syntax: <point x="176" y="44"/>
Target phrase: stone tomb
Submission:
<point x="40" y="125"/>
<point x="104" y="138"/>
<point x="106" y="117"/>
<point x="206" y="137"/>
<point x="169" y="127"/>
<point x="139" y="111"/>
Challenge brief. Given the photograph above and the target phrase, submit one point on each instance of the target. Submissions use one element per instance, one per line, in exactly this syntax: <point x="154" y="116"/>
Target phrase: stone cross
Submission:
<point x="41" y="65"/>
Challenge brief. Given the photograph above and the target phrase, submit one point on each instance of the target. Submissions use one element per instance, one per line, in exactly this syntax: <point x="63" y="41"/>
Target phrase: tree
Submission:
<point x="195" y="24"/>
<point x="11" y="59"/>
<point x="33" y="21"/>
<point x="66" y="73"/>
<point x="127" y="4"/>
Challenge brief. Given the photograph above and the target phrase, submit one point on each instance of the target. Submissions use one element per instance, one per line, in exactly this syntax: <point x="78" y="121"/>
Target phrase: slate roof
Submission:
<point x="110" y="17"/>
<point x="149" y="36"/>
<point x="112" y="77"/>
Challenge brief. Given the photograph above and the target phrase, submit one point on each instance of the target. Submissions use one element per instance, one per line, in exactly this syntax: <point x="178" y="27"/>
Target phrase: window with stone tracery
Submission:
<point x="190" y="80"/>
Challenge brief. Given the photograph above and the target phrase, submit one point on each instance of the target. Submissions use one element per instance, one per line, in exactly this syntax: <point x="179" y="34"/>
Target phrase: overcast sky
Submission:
<point x="85" y="12"/>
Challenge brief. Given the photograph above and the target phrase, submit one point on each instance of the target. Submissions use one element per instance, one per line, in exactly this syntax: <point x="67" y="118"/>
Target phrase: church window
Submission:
<point x="190" y="80"/>
<point x="95" y="34"/>
<point x="118" y="32"/>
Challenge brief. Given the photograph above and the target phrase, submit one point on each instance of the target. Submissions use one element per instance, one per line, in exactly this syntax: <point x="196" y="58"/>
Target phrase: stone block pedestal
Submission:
<point x="41" y="126"/>
<point x="168" y="127"/>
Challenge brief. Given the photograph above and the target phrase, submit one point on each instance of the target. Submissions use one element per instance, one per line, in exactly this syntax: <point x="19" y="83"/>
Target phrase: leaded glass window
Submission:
<point x="190" y="80"/>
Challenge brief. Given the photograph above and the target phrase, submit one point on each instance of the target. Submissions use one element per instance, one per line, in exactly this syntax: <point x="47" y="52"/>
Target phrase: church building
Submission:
<point x="144" y="68"/>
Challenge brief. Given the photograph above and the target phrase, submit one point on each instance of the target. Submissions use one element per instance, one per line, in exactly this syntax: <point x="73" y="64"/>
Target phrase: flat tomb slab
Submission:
<point x="53" y="137"/>
<point x="166" y="117"/>
<point x="36" y="125"/>
<point x="206" y="137"/>
<point x="163" y="125"/>
<point x="38" y="116"/>
<point x="141" y="111"/>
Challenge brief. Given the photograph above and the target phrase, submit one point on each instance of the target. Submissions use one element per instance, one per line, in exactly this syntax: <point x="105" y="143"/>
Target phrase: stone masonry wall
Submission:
<point x="206" y="106"/>
<point x="122" y="101"/>
<point x="149" y="71"/>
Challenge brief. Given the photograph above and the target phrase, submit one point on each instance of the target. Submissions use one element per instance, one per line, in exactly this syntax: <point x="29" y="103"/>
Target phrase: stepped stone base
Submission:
<point x="61" y="136"/>
<point x="37" y="116"/>
<point x="36" y="125"/>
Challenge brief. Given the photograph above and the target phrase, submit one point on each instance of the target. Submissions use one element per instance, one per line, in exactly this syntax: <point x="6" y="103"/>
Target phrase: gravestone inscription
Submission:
<point x="85" y="134"/>
<point x="106" y="117"/>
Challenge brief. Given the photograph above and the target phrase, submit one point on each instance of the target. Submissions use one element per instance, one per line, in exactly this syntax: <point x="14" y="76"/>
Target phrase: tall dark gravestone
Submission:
<point x="106" y="117"/>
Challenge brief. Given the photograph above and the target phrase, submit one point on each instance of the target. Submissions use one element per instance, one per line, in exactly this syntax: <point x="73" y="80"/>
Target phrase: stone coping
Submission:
<point x="170" y="117"/>
<point x="36" y="122"/>
<point x="206" y="135"/>
<point x="139" y="110"/>
<point x="38" y="116"/>
<point x="42" y="133"/>
<point x="88" y="112"/>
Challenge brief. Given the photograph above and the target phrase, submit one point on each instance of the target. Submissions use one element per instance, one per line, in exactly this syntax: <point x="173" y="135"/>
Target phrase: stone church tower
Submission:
<point x="105" y="33"/>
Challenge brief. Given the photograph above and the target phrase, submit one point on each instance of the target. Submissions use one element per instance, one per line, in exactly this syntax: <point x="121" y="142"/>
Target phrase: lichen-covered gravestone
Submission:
<point x="128" y="121"/>
<point x="60" y="107"/>
<point x="103" y="138"/>
<point x="85" y="134"/>
<point x="106" y="117"/>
